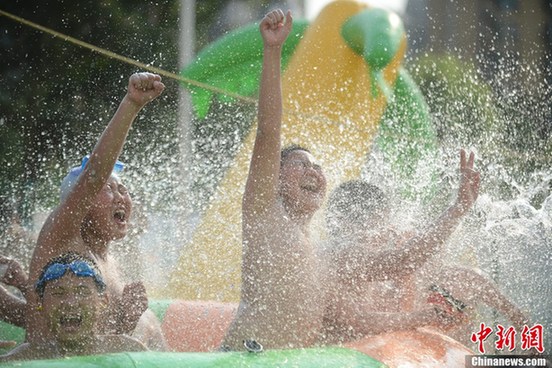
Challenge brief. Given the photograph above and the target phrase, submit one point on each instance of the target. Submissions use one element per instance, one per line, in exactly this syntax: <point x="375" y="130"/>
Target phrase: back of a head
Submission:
<point x="355" y="202"/>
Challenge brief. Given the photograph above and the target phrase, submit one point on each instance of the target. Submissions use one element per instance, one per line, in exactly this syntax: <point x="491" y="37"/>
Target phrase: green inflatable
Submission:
<point x="406" y="135"/>
<point x="9" y="332"/>
<point x="302" y="358"/>
<point x="407" y="139"/>
<point x="233" y="63"/>
<point x="314" y="357"/>
<point x="376" y="35"/>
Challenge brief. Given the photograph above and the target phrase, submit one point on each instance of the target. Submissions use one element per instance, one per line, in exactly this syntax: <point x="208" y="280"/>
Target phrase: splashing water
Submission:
<point x="508" y="234"/>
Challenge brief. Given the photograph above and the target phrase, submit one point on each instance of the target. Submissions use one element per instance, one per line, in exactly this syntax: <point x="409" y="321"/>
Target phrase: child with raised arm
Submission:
<point x="281" y="297"/>
<point x="359" y="236"/>
<point x="383" y="275"/>
<point x="94" y="210"/>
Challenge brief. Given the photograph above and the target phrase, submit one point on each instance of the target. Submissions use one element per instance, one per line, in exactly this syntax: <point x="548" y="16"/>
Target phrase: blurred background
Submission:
<point x="482" y="65"/>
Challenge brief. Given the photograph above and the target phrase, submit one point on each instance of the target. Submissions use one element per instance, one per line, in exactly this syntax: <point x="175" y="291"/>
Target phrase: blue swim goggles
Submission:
<point x="119" y="166"/>
<point x="71" y="178"/>
<point x="57" y="270"/>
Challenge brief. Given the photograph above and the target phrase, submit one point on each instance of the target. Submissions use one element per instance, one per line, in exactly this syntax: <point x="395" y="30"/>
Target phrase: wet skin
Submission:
<point x="71" y="305"/>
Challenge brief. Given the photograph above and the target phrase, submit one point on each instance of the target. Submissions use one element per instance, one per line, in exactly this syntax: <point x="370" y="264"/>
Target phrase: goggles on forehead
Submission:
<point x="57" y="270"/>
<point x="71" y="178"/>
<point x="117" y="168"/>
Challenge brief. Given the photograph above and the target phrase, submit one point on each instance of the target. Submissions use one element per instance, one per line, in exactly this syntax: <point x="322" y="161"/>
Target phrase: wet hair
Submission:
<point x="356" y="202"/>
<point x="67" y="259"/>
<point x="289" y="149"/>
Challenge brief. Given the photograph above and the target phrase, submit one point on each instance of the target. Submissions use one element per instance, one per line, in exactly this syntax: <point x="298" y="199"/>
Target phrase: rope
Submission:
<point x="110" y="54"/>
<point x="150" y="68"/>
<point x="164" y="73"/>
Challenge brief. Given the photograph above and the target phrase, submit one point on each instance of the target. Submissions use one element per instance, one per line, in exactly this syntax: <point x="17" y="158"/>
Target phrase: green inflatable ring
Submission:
<point x="9" y="332"/>
<point x="316" y="358"/>
<point x="233" y="63"/>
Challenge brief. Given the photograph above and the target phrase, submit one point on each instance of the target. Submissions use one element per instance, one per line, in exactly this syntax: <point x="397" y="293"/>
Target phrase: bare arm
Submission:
<point x="12" y="308"/>
<point x="14" y="274"/>
<point x="495" y="299"/>
<point x="262" y="182"/>
<point x="359" y="319"/>
<point x="134" y="302"/>
<point x="389" y="263"/>
<point x="66" y="220"/>
<point x="119" y="343"/>
<point x="476" y="287"/>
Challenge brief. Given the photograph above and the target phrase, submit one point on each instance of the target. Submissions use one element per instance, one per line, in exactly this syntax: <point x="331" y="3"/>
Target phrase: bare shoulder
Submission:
<point x="110" y="271"/>
<point x="272" y="210"/>
<point x="50" y="244"/>
<point x="273" y="222"/>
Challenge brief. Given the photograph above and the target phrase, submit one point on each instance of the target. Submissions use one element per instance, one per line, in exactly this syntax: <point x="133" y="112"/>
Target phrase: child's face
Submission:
<point x="110" y="215"/>
<point x="302" y="182"/>
<point x="70" y="304"/>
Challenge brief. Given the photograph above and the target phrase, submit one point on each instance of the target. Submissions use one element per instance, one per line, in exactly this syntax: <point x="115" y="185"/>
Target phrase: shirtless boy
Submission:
<point x="384" y="276"/>
<point x="94" y="210"/>
<point x="281" y="300"/>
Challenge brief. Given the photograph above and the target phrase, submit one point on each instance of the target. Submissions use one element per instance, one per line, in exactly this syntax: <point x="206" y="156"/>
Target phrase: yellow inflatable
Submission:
<point x="330" y="107"/>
